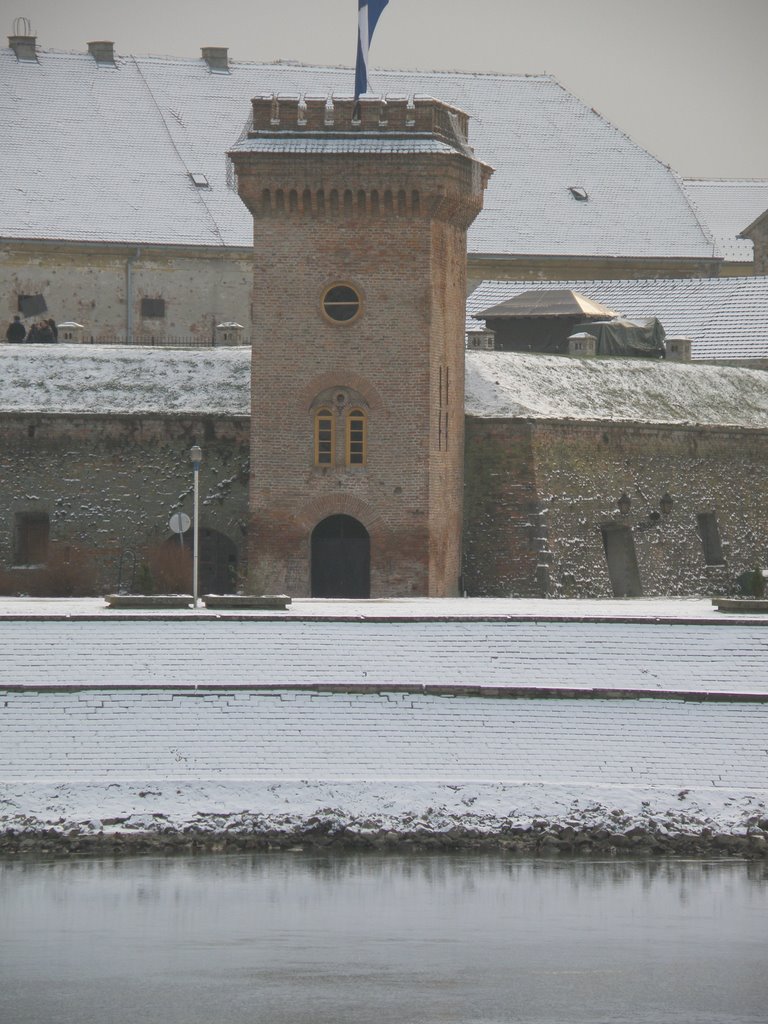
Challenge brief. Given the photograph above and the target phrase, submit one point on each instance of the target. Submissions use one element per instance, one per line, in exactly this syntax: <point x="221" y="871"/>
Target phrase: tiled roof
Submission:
<point x="533" y="386"/>
<point x="727" y="206"/>
<point x="726" y="317"/>
<point x="102" y="153"/>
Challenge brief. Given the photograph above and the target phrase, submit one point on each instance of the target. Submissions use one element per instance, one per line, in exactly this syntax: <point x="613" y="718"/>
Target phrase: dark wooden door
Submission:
<point x="341" y="558"/>
<point x="622" y="561"/>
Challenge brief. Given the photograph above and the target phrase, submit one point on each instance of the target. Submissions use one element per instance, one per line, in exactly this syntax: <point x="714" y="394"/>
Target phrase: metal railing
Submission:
<point x="155" y="340"/>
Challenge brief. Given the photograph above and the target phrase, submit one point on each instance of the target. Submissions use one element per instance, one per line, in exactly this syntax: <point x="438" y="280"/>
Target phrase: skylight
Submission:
<point x="200" y="180"/>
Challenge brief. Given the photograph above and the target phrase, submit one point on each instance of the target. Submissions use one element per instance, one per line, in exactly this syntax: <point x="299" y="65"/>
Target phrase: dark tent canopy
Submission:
<point x="626" y="337"/>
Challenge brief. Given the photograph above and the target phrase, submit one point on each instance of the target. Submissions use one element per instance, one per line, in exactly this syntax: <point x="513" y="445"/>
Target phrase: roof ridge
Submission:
<point x="727" y="181"/>
<point x="308" y="66"/>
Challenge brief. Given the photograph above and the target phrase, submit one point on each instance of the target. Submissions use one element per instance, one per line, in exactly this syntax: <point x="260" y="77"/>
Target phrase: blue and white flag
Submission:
<point x="368" y="12"/>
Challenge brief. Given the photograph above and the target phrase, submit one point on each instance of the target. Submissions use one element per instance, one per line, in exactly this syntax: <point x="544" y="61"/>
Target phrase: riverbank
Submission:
<point x="548" y="820"/>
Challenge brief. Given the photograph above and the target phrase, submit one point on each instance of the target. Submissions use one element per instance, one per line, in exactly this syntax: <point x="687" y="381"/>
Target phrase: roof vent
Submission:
<point x="22" y="42"/>
<point x="216" y="58"/>
<point x="103" y="52"/>
<point x="578" y="192"/>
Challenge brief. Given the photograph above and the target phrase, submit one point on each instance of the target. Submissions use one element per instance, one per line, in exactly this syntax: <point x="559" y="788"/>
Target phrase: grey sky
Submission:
<point x="684" y="78"/>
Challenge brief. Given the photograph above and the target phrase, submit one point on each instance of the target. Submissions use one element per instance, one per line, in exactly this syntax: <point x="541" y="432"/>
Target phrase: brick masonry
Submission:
<point x="392" y="225"/>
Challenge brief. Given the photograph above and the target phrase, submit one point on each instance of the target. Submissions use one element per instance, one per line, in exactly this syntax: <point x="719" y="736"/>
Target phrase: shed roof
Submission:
<point x="128" y="137"/>
<point x="726" y="317"/>
<point x="727" y="206"/>
<point x="542" y="302"/>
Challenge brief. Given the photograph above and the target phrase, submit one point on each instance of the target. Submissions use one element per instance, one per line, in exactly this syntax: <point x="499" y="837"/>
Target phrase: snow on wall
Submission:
<point x="513" y="384"/>
<point x="118" y="379"/>
<point x="576" y="655"/>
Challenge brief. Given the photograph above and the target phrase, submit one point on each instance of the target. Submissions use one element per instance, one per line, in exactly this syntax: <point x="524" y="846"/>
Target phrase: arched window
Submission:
<point x="324" y="437"/>
<point x="356" y="437"/>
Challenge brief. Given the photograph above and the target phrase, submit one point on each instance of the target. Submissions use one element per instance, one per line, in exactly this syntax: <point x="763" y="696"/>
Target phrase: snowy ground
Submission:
<point x="152" y="755"/>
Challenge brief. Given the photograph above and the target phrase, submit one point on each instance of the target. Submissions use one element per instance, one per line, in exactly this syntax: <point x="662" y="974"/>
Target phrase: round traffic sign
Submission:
<point x="179" y="522"/>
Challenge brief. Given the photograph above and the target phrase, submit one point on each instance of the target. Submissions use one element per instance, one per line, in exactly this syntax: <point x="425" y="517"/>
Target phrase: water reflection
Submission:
<point x="278" y="938"/>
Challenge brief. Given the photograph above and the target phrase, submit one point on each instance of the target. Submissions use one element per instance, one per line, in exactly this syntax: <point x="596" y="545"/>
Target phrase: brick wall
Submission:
<point x="392" y="225"/>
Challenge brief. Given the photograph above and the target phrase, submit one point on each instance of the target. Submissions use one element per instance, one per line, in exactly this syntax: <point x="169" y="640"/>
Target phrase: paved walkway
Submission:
<point x="652" y="609"/>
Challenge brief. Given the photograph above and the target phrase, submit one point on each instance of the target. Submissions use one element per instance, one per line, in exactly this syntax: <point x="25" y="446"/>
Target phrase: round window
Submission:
<point x="341" y="303"/>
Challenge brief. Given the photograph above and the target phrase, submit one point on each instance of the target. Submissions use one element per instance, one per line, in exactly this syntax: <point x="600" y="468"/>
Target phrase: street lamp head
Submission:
<point x="196" y="456"/>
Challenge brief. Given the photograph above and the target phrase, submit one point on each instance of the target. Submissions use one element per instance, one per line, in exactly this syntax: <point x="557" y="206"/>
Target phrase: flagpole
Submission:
<point x="368" y="13"/>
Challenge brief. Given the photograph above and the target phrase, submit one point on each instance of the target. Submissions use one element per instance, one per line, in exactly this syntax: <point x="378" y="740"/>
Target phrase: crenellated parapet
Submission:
<point x="382" y="157"/>
<point x="333" y="114"/>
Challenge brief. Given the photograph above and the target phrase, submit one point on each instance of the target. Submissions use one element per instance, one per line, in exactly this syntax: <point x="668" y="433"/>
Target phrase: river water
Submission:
<point x="289" y="938"/>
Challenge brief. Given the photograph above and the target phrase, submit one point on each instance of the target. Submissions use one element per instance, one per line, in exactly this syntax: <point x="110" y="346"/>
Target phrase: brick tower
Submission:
<point x="357" y="403"/>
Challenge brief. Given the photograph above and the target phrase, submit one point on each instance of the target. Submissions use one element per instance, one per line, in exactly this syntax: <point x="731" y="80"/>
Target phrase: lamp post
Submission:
<point x="196" y="456"/>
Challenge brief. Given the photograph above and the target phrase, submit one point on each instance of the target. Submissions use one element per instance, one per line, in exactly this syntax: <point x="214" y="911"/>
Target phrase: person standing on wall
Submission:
<point x="16" y="330"/>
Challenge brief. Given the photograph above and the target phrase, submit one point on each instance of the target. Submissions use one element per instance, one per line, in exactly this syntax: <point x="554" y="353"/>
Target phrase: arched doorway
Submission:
<point x="341" y="558"/>
<point x="217" y="568"/>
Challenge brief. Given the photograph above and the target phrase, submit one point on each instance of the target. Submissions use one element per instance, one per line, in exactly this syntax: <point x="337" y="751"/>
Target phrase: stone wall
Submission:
<point x="88" y="284"/>
<point x="109" y="484"/>
<point x="146" y="734"/>
<point x="539" y="496"/>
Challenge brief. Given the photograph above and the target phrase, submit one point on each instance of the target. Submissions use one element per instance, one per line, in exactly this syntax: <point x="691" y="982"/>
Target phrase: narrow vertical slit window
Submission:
<point x="440" y="411"/>
<point x="709" y="532"/>
<point x="324" y="437"/>
<point x="356" y="438"/>
<point x="31" y="534"/>
<point x="445" y="410"/>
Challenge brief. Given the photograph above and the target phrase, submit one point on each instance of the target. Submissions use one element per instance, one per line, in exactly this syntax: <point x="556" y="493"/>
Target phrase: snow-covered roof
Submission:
<point x="83" y="379"/>
<point x="516" y="384"/>
<point x="106" y="153"/>
<point x="726" y="317"/>
<point x="727" y="206"/>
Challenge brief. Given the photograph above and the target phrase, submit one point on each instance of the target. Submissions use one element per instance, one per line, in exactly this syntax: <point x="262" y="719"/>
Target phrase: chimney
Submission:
<point x="678" y="349"/>
<point x="23" y="47"/>
<point x="103" y="52"/>
<point x="216" y="58"/>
